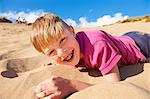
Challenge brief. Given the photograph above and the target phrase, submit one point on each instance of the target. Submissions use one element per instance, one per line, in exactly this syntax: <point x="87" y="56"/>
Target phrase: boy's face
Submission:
<point x="66" y="50"/>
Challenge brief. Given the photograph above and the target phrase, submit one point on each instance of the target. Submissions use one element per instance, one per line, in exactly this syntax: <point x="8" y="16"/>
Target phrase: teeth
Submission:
<point x="68" y="57"/>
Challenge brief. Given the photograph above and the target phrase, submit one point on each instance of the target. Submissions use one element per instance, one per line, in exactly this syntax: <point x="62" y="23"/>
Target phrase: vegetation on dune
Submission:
<point x="145" y="18"/>
<point x="135" y="19"/>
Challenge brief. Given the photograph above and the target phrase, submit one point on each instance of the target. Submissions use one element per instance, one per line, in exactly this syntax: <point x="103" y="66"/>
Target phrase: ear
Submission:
<point x="72" y="29"/>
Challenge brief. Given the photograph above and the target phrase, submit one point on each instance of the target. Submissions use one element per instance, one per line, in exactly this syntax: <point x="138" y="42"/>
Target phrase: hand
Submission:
<point x="54" y="88"/>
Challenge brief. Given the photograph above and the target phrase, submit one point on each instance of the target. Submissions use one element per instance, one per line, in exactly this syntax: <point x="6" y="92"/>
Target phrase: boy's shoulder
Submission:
<point x="93" y="34"/>
<point x="91" y="31"/>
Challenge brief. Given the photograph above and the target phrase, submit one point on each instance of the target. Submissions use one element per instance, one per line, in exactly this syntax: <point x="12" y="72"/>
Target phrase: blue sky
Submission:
<point x="76" y="12"/>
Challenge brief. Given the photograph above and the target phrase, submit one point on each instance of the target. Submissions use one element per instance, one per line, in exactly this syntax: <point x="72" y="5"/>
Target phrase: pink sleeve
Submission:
<point x="108" y="56"/>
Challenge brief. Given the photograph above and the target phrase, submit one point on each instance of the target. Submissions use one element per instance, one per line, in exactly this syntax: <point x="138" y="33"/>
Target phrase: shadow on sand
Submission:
<point x="125" y="72"/>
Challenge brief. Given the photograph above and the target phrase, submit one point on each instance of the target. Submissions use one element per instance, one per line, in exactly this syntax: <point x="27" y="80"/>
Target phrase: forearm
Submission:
<point x="78" y="85"/>
<point x="113" y="75"/>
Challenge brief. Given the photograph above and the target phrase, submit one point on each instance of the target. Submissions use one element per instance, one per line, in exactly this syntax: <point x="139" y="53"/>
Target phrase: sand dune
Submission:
<point x="20" y="67"/>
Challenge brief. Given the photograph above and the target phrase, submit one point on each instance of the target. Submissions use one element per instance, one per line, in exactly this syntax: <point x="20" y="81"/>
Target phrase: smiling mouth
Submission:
<point x="70" y="56"/>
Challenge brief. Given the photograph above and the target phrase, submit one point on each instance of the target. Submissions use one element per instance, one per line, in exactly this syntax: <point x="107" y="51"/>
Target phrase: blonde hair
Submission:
<point x="47" y="29"/>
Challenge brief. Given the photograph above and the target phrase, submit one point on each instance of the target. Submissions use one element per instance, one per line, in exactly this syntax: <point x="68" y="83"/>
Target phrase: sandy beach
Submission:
<point x="21" y="71"/>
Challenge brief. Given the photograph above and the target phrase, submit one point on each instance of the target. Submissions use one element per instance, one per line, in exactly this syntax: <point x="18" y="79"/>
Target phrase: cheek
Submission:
<point x="75" y="43"/>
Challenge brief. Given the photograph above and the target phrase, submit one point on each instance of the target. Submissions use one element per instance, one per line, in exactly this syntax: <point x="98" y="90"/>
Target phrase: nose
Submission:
<point x="61" y="53"/>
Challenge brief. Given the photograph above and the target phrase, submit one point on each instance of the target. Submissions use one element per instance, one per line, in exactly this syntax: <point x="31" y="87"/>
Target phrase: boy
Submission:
<point x="94" y="48"/>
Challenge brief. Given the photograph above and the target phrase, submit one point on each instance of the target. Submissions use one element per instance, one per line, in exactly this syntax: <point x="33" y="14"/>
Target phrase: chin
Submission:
<point x="76" y="61"/>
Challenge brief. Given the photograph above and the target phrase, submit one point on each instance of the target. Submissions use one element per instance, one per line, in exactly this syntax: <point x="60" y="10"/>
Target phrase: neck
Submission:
<point x="81" y="62"/>
<point x="81" y="56"/>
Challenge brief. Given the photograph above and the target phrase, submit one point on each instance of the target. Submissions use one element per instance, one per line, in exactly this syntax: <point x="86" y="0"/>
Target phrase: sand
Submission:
<point x="21" y="71"/>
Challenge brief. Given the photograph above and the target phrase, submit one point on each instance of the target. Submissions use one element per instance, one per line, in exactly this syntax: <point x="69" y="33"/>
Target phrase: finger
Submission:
<point x="43" y="94"/>
<point x="40" y="95"/>
<point x="38" y="89"/>
<point x="47" y="92"/>
<point x="41" y="86"/>
<point x="55" y="95"/>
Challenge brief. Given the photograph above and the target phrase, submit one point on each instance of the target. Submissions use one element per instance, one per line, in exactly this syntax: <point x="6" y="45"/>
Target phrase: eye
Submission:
<point x="50" y="53"/>
<point x="62" y="40"/>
